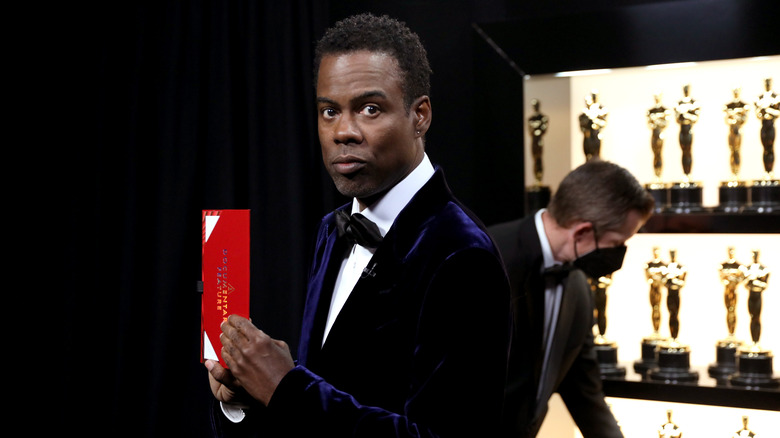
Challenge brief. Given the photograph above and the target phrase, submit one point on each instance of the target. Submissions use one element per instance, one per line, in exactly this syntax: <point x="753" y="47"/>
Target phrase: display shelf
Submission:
<point x="706" y="391"/>
<point x="709" y="221"/>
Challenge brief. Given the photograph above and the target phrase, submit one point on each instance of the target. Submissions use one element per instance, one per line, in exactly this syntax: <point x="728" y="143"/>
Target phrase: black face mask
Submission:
<point x="601" y="261"/>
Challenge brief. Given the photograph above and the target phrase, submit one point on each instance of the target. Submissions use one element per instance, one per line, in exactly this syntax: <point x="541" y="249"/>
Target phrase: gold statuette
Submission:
<point x="669" y="429"/>
<point x="744" y="432"/>
<point x="592" y="120"/>
<point x="657" y="119"/>
<point x="768" y="110"/>
<point x="687" y="112"/>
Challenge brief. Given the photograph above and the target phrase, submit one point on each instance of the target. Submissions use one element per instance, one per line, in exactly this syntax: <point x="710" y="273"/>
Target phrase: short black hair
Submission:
<point x="380" y="34"/>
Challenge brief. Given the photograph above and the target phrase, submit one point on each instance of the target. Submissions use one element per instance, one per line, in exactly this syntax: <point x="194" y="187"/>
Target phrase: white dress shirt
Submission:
<point x="552" y="299"/>
<point x="383" y="213"/>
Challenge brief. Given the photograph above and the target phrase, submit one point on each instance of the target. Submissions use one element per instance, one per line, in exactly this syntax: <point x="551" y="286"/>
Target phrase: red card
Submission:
<point x="224" y="275"/>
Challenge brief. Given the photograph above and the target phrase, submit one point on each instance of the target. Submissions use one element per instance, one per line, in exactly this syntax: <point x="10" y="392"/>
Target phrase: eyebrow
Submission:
<point x="360" y="97"/>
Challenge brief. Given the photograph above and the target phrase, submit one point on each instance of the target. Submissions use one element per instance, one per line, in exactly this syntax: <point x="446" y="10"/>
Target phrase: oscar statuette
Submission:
<point x="655" y="272"/>
<point x="765" y="193"/>
<point x="744" y="432"/>
<point x="658" y="119"/>
<point x="686" y="196"/>
<point x="674" y="358"/>
<point x="732" y="274"/>
<point x="606" y="350"/>
<point x="754" y="364"/>
<point x="733" y="194"/>
<point x="592" y="120"/>
<point x="669" y="429"/>
<point x="537" y="195"/>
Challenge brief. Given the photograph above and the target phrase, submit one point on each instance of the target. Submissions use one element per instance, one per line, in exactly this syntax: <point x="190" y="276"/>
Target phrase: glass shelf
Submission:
<point x="707" y="391"/>
<point x="713" y="222"/>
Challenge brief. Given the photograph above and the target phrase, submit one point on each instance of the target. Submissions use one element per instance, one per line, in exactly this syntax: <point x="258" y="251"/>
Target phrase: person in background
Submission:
<point x="549" y="256"/>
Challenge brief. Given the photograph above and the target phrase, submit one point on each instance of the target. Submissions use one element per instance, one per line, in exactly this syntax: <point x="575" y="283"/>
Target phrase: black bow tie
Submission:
<point x="558" y="272"/>
<point x="358" y="229"/>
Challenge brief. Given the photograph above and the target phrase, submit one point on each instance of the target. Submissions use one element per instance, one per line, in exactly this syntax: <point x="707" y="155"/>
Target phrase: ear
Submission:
<point x="422" y="115"/>
<point x="581" y="229"/>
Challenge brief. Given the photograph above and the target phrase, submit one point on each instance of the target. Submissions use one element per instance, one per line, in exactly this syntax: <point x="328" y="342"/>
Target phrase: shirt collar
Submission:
<point x="546" y="249"/>
<point x="384" y="211"/>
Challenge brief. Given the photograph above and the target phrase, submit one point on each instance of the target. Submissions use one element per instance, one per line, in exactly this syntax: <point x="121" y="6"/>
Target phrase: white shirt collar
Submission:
<point x="384" y="211"/>
<point x="546" y="249"/>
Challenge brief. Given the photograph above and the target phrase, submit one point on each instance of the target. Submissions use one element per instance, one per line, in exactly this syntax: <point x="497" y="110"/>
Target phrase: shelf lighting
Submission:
<point x="670" y="66"/>
<point x="566" y="74"/>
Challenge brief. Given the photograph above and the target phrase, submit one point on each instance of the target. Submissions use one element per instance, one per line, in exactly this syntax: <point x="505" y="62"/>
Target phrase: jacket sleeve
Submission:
<point x="581" y="391"/>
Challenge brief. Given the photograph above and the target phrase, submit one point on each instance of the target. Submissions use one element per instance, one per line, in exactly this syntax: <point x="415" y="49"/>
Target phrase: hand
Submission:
<point x="223" y="385"/>
<point x="257" y="362"/>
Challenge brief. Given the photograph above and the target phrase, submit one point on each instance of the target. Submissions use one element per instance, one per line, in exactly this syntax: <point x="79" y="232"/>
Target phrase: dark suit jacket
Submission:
<point x="420" y="347"/>
<point x="572" y="369"/>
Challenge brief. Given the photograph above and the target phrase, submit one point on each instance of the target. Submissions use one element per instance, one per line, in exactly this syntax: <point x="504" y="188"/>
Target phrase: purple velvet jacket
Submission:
<point x="420" y="347"/>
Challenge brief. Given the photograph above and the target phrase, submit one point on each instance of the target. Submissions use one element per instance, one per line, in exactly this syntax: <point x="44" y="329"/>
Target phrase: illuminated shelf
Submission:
<point x="713" y="222"/>
<point x="705" y="392"/>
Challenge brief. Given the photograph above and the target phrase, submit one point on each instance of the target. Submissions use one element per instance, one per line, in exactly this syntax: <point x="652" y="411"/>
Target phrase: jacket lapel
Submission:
<point x="329" y="253"/>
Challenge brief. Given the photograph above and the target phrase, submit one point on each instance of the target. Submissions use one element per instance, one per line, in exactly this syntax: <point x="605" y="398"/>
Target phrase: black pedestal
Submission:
<point x="674" y="365"/>
<point x="608" y="361"/>
<point x="648" y="360"/>
<point x="754" y="370"/>
<point x="726" y="361"/>
<point x="733" y="196"/>
<point x="764" y="196"/>
<point x="660" y="193"/>
<point x="685" y="197"/>
<point x="536" y="198"/>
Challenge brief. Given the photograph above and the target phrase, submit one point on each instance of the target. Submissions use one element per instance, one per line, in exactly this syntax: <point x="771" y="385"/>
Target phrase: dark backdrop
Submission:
<point x="147" y="113"/>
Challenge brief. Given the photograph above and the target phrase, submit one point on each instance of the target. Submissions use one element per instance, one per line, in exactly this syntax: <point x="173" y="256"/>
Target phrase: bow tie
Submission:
<point x="358" y="229"/>
<point x="558" y="272"/>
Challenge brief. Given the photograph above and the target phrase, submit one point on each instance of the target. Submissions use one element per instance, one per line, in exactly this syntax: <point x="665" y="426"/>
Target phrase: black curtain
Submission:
<point x="143" y="114"/>
<point x="169" y="108"/>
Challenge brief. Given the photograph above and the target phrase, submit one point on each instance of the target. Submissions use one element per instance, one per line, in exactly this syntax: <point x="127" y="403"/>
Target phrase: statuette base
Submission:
<point x="536" y="197"/>
<point x="764" y="196"/>
<point x="648" y="360"/>
<point x="674" y="365"/>
<point x="606" y="353"/>
<point x="660" y="193"/>
<point x="685" y="197"/>
<point x="754" y="370"/>
<point x="726" y="361"/>
<point x="733" y="196"/>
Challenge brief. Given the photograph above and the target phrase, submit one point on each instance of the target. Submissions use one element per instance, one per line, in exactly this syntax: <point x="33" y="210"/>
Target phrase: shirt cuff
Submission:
<point x="234" y="413"/>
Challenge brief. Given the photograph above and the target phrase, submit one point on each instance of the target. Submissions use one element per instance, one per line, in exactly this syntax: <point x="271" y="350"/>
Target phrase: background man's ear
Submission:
<point x="582" y="228"/>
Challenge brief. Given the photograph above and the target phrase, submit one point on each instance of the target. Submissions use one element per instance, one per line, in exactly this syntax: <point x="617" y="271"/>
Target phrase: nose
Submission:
<point x="346" y="130"/>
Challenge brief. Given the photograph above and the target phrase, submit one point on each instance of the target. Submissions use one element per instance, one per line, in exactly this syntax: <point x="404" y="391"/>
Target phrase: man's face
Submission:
<point x="369" y="140"/>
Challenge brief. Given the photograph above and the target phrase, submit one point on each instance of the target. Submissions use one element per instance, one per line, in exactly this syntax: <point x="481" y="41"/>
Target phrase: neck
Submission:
<point x="558" y="238"/>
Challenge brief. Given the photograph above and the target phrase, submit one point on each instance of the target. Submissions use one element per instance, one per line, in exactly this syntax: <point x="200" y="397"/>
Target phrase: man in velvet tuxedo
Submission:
<point x="404" y="337"/>
<point x="548" y="256"/>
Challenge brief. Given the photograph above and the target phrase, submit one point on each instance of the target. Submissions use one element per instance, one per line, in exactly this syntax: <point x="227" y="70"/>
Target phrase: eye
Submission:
<point x="328" y="113"/>
<point x="370" y="110"/>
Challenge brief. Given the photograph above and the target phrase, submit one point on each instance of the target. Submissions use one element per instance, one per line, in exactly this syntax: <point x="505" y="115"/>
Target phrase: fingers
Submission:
<point x="218" y="373"/>
<point x="239" y="338"/>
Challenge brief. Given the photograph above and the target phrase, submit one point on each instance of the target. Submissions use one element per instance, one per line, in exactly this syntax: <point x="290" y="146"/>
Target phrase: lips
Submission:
<point x="347" y="164"/>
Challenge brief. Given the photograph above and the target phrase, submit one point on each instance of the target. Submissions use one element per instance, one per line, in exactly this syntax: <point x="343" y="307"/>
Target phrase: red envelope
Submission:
<point x="224" y="275"/>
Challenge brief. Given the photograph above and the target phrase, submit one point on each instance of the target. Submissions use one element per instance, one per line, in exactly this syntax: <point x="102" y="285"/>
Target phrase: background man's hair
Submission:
<point x="599" y="192"/>
<point x="380" y="34"/>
